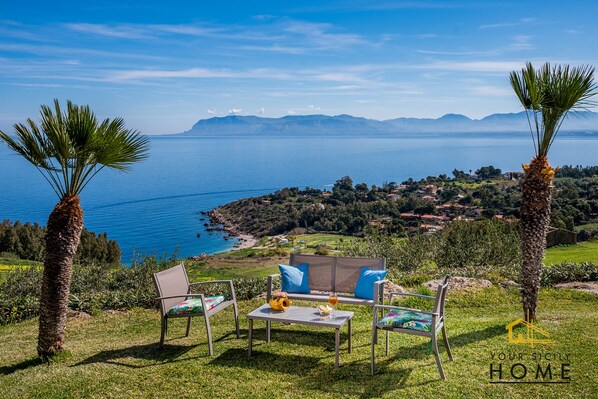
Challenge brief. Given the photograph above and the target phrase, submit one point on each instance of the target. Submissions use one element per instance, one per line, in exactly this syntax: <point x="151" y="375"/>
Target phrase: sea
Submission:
<point x="156" y="208"/>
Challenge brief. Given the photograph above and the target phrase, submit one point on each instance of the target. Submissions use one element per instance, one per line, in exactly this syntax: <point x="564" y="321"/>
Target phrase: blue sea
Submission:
<point x="157" y="207"/>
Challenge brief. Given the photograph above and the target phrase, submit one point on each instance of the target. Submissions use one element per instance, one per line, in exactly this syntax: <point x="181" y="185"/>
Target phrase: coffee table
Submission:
<point x="300" y="315"/>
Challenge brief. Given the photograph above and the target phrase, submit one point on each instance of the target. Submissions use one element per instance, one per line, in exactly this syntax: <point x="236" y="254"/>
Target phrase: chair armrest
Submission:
<point x="402" y="308"/>
<point x="210" y="282"/>
<point x="270" y="281"/>
<point x="410" y="294"/>
<point x="181" y="296"/>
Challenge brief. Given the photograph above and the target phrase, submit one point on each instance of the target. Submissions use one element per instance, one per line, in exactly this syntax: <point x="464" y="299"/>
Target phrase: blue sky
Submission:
<point x="164" y="65"/>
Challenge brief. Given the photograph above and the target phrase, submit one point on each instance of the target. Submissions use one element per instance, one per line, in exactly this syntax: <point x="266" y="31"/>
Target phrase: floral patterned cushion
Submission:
<point x="193" y="305"/>
<point x="399" y="318"/>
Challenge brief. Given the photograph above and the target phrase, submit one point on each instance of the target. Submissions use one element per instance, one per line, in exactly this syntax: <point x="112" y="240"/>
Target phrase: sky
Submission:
<point x="162" y="66"/>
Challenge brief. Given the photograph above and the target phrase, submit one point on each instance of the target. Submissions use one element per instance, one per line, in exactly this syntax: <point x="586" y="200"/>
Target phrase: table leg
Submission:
<point x="250" y="335"/>
<point x="349" y="323"/>
<point x="268" y="327"/>
<point x="337" y="344"/>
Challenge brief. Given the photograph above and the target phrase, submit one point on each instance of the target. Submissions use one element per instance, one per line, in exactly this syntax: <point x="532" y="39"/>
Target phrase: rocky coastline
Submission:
<point x="219" y="223"/>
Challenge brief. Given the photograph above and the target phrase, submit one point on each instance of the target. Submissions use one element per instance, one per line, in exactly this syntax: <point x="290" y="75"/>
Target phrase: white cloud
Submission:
<point x="522" y="21"/>
<point x="521" y="42"/>
<point x="495" y="91"/>
<point x="198" y="73"/>
<point x="276" y="49"/>
<point x="454" y="52"/>
<point x="318" y="35"/>
<point x="118" y="31"/>
<point x="474" y="66"/>
<point x="211" y="111"/>
<point x="234" y="111"/>
<point x="262" y="111"/>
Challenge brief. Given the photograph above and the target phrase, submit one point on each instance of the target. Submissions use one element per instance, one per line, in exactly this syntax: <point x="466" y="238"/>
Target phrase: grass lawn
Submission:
<point x="224" y="266"/>
<point x="332" y="240"/>
<point x="581" y="252"/>
<point x="116" y="356"/>
<point x="308" y="244"/>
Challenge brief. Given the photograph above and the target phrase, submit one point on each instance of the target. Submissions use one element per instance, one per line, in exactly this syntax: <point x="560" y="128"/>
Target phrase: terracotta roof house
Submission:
<point x="408" y="216"/>
<point x="429" y="218"/>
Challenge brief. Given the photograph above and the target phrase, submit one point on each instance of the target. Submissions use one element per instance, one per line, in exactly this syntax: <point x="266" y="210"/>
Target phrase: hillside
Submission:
<point x="425" y="205"/>
<point x="347" y="125"/>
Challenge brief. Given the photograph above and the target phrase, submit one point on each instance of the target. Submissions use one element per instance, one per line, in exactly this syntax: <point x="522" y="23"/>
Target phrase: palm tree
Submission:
<point x="69" y="149"/>
<point x="548" y="95"/>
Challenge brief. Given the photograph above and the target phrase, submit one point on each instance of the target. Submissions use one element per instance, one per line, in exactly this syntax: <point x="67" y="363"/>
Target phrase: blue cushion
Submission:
<point x="294" y="278"/>
<point x="365" y="285"/>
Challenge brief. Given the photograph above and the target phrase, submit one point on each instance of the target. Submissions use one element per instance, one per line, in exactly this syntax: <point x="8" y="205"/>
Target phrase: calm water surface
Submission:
<point x="156" y="208"/>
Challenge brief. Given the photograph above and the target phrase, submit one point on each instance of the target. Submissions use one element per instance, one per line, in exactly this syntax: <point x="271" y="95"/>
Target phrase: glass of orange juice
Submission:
<point x="332" y="301"/>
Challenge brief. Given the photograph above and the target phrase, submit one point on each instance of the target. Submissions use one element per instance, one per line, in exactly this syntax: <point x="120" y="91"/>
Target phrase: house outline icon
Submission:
<point x="528" y="337"/>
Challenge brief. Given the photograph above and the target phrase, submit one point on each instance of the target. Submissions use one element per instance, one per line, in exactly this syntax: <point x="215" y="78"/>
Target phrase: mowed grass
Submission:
<point x="332" y="240"/>
<point x="116" y="356"/>
<point x="224" y="266"/>
<point x="580" y="252"/>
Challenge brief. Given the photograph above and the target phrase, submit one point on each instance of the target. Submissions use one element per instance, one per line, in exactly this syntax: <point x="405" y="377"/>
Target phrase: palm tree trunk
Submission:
<point x="536" y="195"/>
<point x="62" y="239"/>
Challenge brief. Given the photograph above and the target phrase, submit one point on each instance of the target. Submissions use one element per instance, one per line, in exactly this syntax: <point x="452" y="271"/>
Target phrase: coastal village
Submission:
<point x="408" y="208"/>
<point x="443" y="212"/>
<point x="434" y="202"/>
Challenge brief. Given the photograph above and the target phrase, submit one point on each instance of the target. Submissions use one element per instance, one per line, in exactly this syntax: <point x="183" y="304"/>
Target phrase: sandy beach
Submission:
<point x="245" y="241"/>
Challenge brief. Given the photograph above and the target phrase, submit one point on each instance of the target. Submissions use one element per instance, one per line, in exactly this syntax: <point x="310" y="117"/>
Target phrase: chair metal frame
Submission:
<point x="437" y="325"/>
<point x="178" y="272"/>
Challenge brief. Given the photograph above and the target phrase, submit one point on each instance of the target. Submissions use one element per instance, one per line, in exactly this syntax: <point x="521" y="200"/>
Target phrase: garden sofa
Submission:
<point x="334" y="274"/>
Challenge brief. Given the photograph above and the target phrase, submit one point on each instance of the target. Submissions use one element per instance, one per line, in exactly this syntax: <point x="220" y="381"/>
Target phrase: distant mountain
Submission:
<point x="347" y="125"/>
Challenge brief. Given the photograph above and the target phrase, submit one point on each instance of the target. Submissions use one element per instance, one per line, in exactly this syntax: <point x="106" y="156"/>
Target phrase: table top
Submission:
<point x="301" y="315"/>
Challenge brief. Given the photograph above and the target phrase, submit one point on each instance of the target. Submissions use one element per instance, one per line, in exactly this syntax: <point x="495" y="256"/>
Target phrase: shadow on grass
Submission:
<point x="149" y="352"/>
<point x="424" y="349"/>
<point x="358" y="381"/>
<point x="267" y="361"/>
<point x="25" y="364"/>
<point x="323" y="338"/>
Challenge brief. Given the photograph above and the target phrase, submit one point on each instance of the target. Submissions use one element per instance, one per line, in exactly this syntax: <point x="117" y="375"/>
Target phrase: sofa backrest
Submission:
<point x="335" y="273"/>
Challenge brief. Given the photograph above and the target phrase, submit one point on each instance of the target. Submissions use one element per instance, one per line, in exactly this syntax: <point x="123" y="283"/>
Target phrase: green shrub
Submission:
<point x="26" y="241"/>
<point x="568" y="272"/>
<point x="18" y="308"/>
<point x="402" y="254"/>
<point x="479" y="246"/>
<point x="322" y="249"/>
<point x="93" y="287"/>
<point x="96" y="287"/>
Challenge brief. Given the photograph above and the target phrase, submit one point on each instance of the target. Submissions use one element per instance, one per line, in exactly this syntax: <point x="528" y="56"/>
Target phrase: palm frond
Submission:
<point x="70" y="147"/>
<point x="549" y="94"/>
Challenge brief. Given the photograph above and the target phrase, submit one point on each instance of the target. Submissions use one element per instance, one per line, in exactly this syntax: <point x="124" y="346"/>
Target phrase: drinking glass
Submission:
<point x="332" y="301"/>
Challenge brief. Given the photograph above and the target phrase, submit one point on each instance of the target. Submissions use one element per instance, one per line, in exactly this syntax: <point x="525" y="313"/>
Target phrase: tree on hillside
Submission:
<point x="488" y="172"/>
<point x="69" y="148"/>
<point x="548" y="94"/>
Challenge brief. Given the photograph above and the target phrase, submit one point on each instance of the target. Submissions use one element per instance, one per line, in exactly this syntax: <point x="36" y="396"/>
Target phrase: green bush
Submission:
<point x="398" y="252"/>
<point x="96" y="287"/>
<point x="568" y="272"/>
<point x="93" y="287"/>
<point x="322" y="249"/>
<point x="479" y="246"/>
<point x="27" y="242"/>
